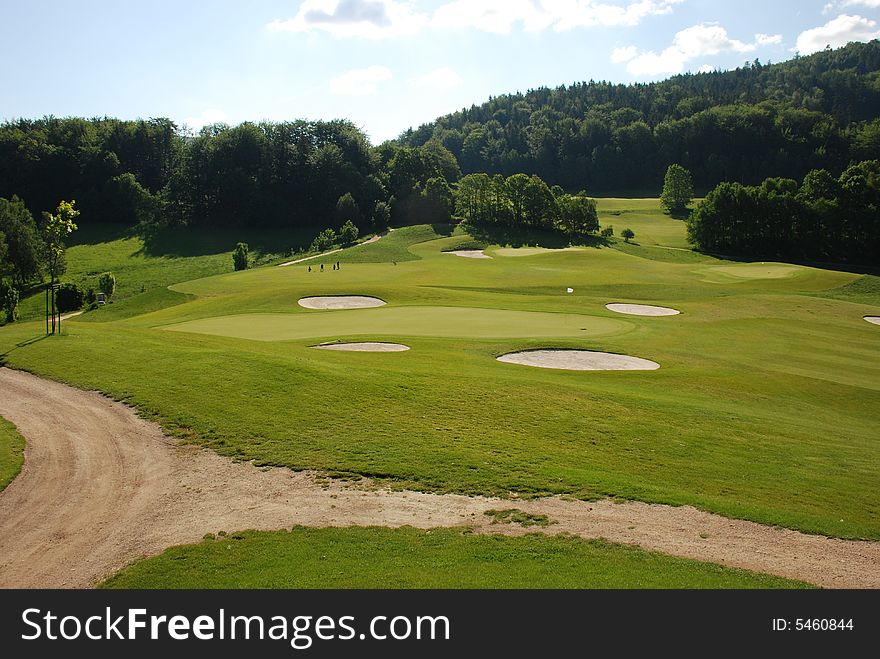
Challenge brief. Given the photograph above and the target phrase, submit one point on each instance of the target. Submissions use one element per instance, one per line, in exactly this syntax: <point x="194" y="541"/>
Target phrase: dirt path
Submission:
<point x="374" y="239"/>
<point x="101" y="487"/>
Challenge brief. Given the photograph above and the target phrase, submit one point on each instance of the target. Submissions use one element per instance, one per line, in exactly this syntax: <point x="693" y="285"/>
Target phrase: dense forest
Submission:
<point x="822" y="219"/>
<point x="758" y="121"/>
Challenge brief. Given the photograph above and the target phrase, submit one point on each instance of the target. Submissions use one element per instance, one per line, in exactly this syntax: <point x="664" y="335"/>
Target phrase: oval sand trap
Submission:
<point x="873" y="319"/>
<point x="364" y="347"/>
<point x="341" y="302"/>
<point x="642" y="310"/>
<point x="578" y="360"/>
<point x="469" y="253"/>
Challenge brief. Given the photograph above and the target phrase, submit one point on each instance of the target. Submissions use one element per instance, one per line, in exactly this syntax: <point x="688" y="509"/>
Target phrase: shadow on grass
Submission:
<point x="21" y="344"/>
<point x="506" y="236"/>
<point x="205" y="241"/>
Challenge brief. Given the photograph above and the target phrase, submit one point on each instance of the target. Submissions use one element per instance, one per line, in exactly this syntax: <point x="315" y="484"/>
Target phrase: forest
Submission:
<point x="755" y="122"/>
<point x="823" y="218"/>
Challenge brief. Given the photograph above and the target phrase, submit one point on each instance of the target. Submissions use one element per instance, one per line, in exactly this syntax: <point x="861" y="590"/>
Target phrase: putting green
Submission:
<point x="752" y="271"/>
<point x="533" y="251"/>
<point x="405" y="321"/>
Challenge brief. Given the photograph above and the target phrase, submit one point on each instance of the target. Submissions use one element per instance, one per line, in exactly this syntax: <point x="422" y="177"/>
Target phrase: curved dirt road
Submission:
<point x="101" y="487"/>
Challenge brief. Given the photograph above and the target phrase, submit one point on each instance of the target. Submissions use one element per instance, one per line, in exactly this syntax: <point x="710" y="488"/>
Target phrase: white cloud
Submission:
<point x="768" y="39"/>
<point x="691" y="43"/>
<point x="360" y="82"/>
<point x="706" y="68"/>
<point x="369" y="19"/>
<point x="621" y="55"/>
<point x="378" y="19"/>
<point x="499" y="16"/>
<point x="836" y="33"/>
<point x="871" y="4"/>
<point x="206" y="118"/>
<point x="438" y="80"/>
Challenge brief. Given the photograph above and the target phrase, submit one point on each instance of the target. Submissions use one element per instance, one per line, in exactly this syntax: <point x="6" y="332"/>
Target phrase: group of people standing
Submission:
<point x="336" y="266"/>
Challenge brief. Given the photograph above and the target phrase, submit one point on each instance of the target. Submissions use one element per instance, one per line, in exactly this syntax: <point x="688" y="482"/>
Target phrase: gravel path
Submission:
<point x="101" y="487"/>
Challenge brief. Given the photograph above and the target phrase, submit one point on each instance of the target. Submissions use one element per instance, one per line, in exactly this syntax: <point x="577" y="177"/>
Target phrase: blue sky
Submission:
<point x="385" y="64"/>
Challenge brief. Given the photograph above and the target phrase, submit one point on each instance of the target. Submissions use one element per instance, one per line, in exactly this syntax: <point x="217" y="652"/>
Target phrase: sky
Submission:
<point x="386" y="65"/>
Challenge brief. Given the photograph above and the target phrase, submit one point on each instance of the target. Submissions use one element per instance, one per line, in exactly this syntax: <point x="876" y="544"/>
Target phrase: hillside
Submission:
<point x="747" y="124"/>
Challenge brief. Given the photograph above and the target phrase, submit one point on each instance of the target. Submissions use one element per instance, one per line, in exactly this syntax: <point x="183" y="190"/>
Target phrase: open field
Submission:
<point x="377" y="557"/>
<point x="765" y="405"/>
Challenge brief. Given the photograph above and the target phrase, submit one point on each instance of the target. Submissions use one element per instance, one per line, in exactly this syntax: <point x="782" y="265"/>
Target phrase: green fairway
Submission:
<point x="411" y="558"/>
<point x="766" y="406"/>
<point x="408" y="321"/>
<point x="11" y="452"/>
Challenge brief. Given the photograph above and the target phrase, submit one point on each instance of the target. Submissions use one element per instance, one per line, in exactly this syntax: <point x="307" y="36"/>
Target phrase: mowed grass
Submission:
<point x="411" y="558"/>
<point x="143" y="273"/>
<point x="409" y="321"/>
<point x="11" y="452"/>
<point x="766" y="405"/>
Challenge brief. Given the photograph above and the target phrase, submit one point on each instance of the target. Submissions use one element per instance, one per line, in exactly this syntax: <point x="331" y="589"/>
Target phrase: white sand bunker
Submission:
<point x="579" y="360"/>
<point x="873" y="319"/>
<point x="364" y="347"/>
<point x="341" y="302"/>
<point x="642" y="310"/>
<point x="469" y="253"/>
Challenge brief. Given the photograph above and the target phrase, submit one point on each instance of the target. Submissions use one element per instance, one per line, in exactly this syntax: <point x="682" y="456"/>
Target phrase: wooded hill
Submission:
<point x="755" y="122"/>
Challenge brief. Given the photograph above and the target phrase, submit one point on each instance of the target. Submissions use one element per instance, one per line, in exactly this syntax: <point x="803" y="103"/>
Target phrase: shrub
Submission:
<point x="627" y="234"/>
<point x="69" y="297"/>
<point x="9" y="300"/>
<point x="240" y="256"/>
<point x="607" y="232"/>
<point x="90" y="297"/>
<point x="348" y="233"/>
<point x="107" y="283"/>
<point x="324" y="240"/>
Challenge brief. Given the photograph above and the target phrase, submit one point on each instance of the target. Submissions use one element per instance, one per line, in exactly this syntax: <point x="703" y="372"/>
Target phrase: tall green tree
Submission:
<point x="20" y="241"/>
<point x="577" y="216"/>
<point x="678" y="189"/>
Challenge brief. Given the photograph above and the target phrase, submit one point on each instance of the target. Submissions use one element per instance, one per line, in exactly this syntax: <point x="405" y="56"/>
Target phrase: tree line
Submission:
<point x="748" y="124"/>
<point x="822" y="218"/>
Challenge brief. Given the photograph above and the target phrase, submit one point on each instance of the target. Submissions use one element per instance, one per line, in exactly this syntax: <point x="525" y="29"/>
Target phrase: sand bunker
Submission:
<point x="364" y="347"/>
<point x="578" y="360"/>
<point x="341" y="302"/>
<point x="873" y="319"/>
<point x="642" y="310"/>
<point x="469" y="253"/>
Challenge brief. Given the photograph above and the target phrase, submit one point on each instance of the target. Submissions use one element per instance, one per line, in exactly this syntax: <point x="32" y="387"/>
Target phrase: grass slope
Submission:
<point x="765" y="406"/>
<point x="412" y="558"/>
<point x="11" y="452"/>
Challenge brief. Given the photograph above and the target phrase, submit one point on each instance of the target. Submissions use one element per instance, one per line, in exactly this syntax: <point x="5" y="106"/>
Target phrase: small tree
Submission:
<point x="678" y="189"/>
<point x="107" y="284"/>
<point x="324" y="240"/>
<point x="70" y="297"/>
<point x="347" y="209"/>
<point x="381" y="216"/>
<point x="9" y="301"/>
<point x="55" y="229"/>
<point x="627" y="234"/>
<point x="240" y="256"/>
<point x="348" y="233"/>
<point x="607" y="232"/>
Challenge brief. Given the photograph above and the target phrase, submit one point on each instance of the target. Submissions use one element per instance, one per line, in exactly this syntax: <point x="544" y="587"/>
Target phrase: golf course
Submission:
<point x="757" y="404"/>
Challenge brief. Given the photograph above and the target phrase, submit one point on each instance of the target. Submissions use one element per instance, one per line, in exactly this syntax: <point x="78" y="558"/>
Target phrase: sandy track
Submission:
<point x="101" y="487"/>
<point x="369" y="241"/>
